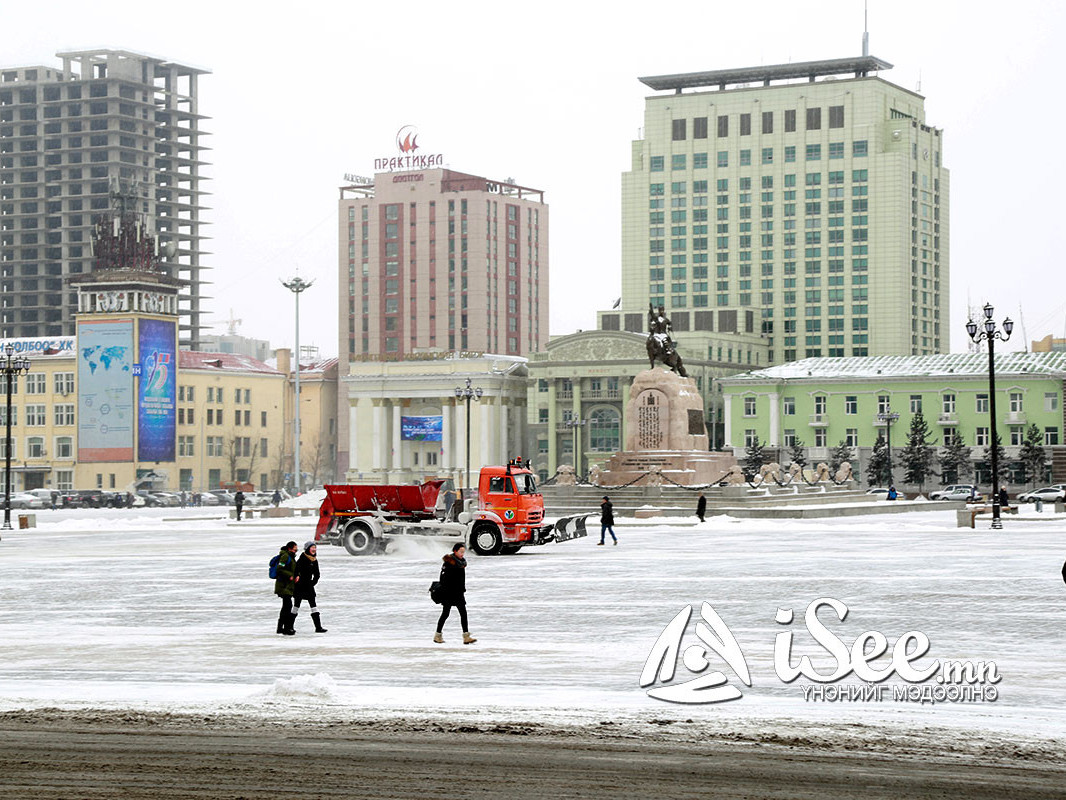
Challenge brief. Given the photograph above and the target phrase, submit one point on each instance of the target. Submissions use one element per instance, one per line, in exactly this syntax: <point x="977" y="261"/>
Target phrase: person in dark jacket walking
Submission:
<point x="307" y="576"/>
<point x="1004" y="498"/>
<point x="285" y="587"/>
<point x="607" y="519"/>
<point x="238" y="501"/>
<point x="276" y="500"/>
<point x="453" y="592"/>
<point x="701" y="507"/>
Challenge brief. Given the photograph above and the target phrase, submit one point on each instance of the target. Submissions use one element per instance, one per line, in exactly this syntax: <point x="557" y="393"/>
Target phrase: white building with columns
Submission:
<point x="384" y="398"/>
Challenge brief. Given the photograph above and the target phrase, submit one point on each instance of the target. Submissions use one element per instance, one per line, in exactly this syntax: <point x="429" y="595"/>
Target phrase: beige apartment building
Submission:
<point x="814" y="195"/>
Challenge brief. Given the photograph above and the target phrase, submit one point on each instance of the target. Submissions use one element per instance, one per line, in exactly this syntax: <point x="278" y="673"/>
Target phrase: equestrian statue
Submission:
<point x="660" y="346"/>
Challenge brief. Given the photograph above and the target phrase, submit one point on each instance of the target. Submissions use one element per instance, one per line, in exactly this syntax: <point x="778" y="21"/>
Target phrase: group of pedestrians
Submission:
<point x="295" y="582"/>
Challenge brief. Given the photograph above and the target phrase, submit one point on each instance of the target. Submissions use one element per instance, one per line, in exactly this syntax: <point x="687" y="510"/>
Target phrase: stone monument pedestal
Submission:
<point x="665" y="434"/>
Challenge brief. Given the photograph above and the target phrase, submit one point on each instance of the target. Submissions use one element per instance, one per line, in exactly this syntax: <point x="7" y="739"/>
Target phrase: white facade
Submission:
<point x="381" y="393"/>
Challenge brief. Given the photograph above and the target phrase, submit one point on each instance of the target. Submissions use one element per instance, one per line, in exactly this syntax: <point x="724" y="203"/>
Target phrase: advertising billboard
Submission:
<point x="421" y="429"/>
<point x="157" y="396"/>
<point x="105" y="390"/>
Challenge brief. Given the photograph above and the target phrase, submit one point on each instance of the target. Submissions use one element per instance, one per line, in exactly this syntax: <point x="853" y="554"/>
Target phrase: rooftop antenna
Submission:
<point x="1025" y="336"/>
<point x="865" y="31"/>
<point x="918" y="88"/>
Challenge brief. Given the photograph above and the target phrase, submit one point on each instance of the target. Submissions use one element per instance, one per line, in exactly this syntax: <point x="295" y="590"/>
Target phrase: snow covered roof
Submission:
<point x="230" y="362"/>
<point x="957" y="364"/>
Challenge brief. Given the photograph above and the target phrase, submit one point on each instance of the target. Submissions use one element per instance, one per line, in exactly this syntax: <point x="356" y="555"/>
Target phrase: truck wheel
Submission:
<point x="486" y="541"/>
<point x="359" y="541"/>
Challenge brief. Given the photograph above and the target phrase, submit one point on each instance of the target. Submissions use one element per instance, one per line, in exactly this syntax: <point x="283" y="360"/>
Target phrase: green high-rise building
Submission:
<point x="809" y="197"/>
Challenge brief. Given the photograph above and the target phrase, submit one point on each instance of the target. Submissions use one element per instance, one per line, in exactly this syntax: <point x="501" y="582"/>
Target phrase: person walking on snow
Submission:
<point x="285" y="587"/>
<point x="238" y="501"/>
<point x="307" y="575"/>
<point x="276" y="499"/>
<point x="701" y="507"/>
<point x="607" y="519"/>
<point x="453" y="592"/>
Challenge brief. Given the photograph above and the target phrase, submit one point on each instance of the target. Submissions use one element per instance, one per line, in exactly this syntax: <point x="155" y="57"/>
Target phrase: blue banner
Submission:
<point x="157" y="397"/>
<point x="421" y="429"/>
<point x="105" y="390"/>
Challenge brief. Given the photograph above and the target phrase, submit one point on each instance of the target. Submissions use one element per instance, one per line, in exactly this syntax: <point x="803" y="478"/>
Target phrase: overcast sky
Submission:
<point x="547" y="93"/>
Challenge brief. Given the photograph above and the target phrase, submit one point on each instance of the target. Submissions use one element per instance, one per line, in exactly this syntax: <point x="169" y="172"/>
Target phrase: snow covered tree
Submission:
<point x="955" y="464"/>
<point x="877" y="473"/>
<point x="1001" y="461"/>
<point x="838" y="455"/>
<point x="797" y="453"/>
<point x="918" y="454"/>
<point x="754" y="458"/>
<point x="1032" y="456"/>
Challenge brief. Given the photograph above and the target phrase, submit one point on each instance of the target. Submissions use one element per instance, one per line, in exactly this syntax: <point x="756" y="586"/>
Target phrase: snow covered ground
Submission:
<point x="168" y="610"/>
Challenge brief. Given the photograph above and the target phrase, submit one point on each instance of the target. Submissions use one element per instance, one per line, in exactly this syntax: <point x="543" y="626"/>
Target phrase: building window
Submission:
<point x="814" y="119"/>
<point x="679" y="130"/>
<point x="851" y="437"/>
<point x="263" y="448"/>
<point x="819" y="437"/>
<point x="851" y="404"/>
<point x="64" y="414"/>
<point x="1016" y="402"/>
<point x="186" y="446"/>
<point x="64" y="383"/>
<point x="64" y="447"/>
<point x="768" y="122"/>
<point x="1051" y="436"/>
<point x="790" y="121"/>
<point x="858" y="149"/>
<point x="750" y="436"/>
<point x="64" y="479"/>
<point x="35" y="447"/>
<point x="657" y="163"/>
<point x="604" y="430"/>
<point x="789" y="437"/>
<point x="1017" y="435"/>
<point x="788" y="405"/>
<point x="982" y="438"/>
<point x="1051" y="401"/>
<point x="749" y="406"/>
<point x="949" y="436"/>
<point x="982" y="404"/>
<point x="916" y="404"/>
<point x="542" y="415"/>
<point x="819" y="404"/>
<point x="699" y="128"/>
<point x="723" y="126"/>
<point x="884" y="403"/>
<point x="35" y="383"/>
<point x="948" y="406"/>
<point x="35" y="416"/>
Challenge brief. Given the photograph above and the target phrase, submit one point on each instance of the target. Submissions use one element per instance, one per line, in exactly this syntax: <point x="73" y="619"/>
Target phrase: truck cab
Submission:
<point x="509" y="500"/>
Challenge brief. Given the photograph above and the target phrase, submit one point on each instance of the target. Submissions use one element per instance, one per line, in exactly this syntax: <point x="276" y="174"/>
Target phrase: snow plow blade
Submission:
<point x="567" y="528"/>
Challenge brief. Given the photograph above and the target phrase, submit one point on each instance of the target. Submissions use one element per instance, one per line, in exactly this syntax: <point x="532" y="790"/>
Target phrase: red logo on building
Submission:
<point x="407" y="139"/>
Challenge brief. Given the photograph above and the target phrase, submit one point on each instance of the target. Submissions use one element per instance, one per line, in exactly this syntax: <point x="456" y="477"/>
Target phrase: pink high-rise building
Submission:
<point x="436" y="260"/>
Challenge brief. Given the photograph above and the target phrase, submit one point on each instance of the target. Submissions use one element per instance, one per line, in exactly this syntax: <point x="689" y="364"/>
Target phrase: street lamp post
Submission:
<point x="10" y="366"/>
<point x="468" y="393"/>
<point x="888" y="416"/>
<point x="575" y="425"/>
<point x="990" y="334"/>
<point x="297" y="285"/>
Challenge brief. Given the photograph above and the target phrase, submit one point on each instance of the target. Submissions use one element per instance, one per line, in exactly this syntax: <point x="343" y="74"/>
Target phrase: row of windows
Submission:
<point x="63" y="448"/>
<point x="812" y="152"/>
<point x="812" y="118"/>
<point x="981" y="437"/>
<point x="187" y="416"/>
<point x="37" y="383"/>
<point x="215" y="394"/>
<point x="36" y="416"/>
<point x="948" y="403"/>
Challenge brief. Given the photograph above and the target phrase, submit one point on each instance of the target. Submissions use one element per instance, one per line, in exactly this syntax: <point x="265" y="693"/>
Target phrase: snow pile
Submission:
<point x="311" y="499"/>
<point x="319" y="686"/>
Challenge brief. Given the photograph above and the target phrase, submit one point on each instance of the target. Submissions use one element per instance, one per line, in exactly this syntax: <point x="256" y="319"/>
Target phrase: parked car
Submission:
<point x="879" y="491"/>
<point x="24" y="500"/>
<point x="1049" y="494"/>
<point x="224" y="495"/>
<point x="951" y="489"/>
<point x="964" y="493"/>
<point x="150" y="499"/>
<point x="259" y="498"/>
<point x="208" y="499"/>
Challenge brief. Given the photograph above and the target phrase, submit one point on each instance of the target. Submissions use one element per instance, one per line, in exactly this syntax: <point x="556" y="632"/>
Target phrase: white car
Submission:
<point x="1049" y="494"/>
<point x="963" y="493"/>
<point x="952" y="489"/>
<point x="26" y="500"/>
<point x="880" y="492"/>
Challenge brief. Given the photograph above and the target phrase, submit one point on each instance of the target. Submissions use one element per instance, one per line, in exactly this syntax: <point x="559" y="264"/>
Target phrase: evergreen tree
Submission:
<point x="955" y="464"/>
<point x="877" y="467"/>
<point x="1032" y="455"/>
<point x="754" y="458"/>
<point x="797" y="452"/>
<point x="918" y="455"/>
<point x="838" y="455"/>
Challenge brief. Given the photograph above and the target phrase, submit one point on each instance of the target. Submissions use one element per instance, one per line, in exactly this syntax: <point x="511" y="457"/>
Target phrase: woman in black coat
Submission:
<point x="453" y="592"/>
<point x="607" y="519"/>
<point x="307" y="576"/>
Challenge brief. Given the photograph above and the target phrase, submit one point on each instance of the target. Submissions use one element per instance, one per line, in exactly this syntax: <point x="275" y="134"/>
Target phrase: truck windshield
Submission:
<point x="526" y="484"/>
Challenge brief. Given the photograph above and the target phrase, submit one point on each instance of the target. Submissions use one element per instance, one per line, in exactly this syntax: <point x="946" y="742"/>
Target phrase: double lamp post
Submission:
<point x="10" y="366"/>
<point x="982" y="333"/>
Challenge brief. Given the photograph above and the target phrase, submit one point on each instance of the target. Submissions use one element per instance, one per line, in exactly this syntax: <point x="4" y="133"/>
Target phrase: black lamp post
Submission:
<point x="888" y="416"/>
<point x="468" y="393"/>
<point x="296" y="285"/>
<point x="10" y="366"/>
<point x="990" y="334"/>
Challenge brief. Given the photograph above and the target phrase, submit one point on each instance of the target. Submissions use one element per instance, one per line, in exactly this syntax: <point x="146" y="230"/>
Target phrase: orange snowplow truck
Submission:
<point x="507" y="515"/>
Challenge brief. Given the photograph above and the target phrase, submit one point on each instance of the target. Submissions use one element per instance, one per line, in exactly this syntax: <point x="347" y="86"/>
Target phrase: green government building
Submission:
<point x="825" y="401"/>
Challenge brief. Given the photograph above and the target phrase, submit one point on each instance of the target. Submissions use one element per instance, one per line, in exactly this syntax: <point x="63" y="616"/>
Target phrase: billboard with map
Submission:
<point x="105" y="390"/>
<point x="157" y="396"/>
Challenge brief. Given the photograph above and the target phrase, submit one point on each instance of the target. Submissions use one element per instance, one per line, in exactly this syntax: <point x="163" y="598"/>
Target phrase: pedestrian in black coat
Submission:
<point x="701" y="507"/>
<point x="307" y="575"/>
<point x="453" y="592"/>
<point x="607" y="519"/>
<point x="1004" y="498"/>
<point x="238" y="501"/>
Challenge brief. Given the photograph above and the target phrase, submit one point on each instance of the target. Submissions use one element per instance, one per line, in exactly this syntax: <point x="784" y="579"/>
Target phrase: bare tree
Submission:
<point x="237" y="449"/>
<point x="316" y="462"/>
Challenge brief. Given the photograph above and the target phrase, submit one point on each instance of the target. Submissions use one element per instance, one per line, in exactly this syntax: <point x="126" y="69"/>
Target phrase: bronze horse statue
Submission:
<point x="660" y="345"/>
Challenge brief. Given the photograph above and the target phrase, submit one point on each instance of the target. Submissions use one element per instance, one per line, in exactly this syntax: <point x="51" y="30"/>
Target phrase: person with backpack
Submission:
<point x="307" y="576"/>
<point x="607" y="519"/>
<point x="238" y="502"/>
<point x="285" y="586"/>
<point x="452" y="592"/>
